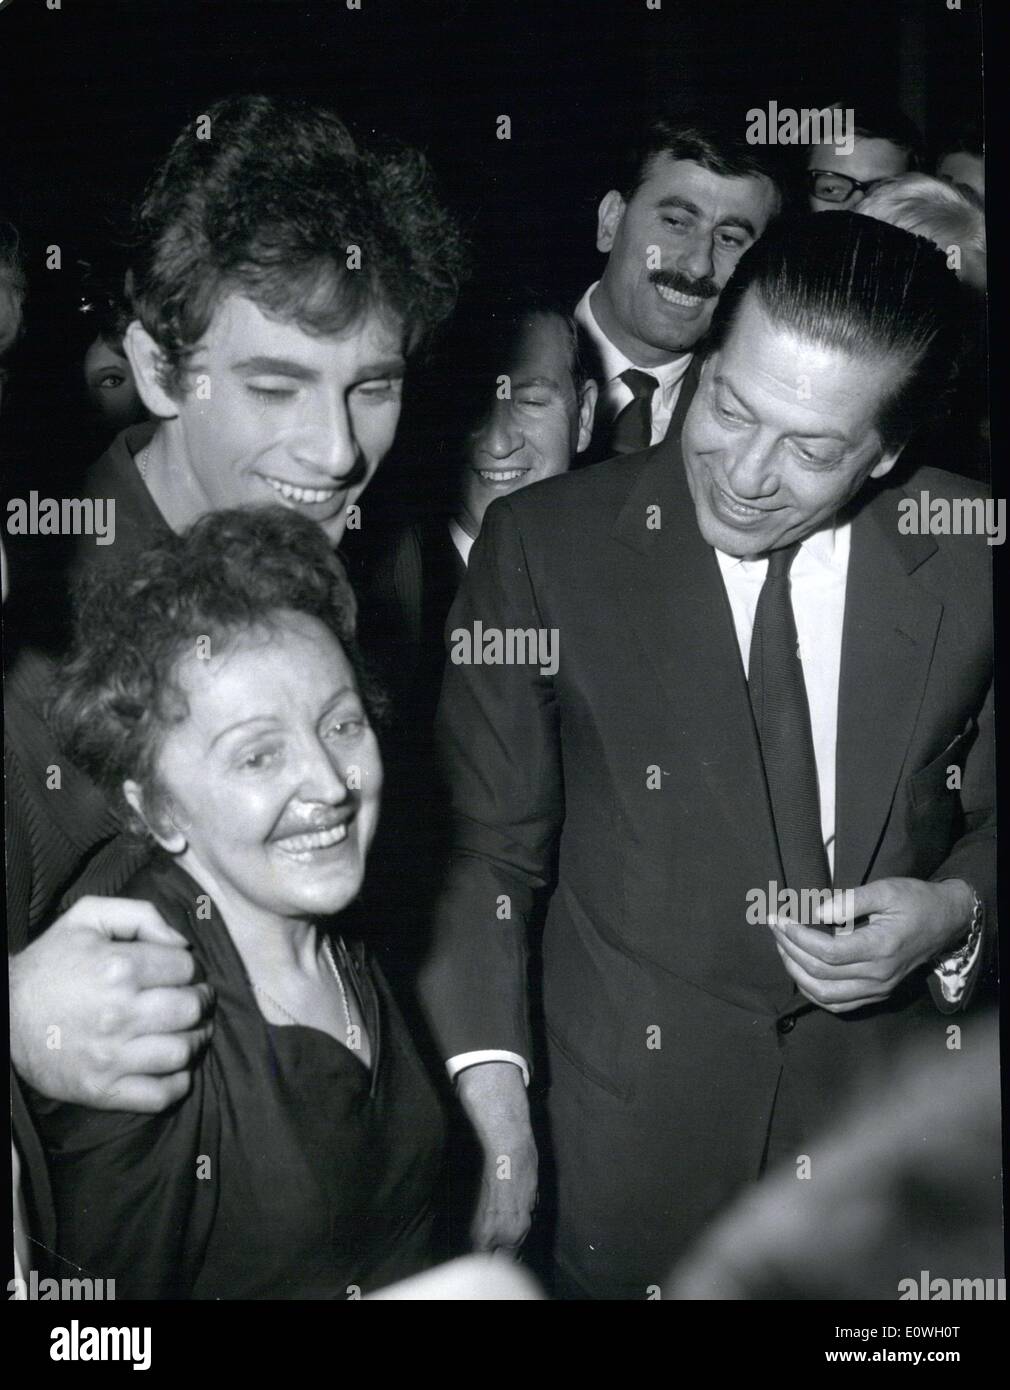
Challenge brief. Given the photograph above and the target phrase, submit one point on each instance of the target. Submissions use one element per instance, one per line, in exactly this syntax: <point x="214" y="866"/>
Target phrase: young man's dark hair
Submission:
<point x="270" y="198"/>
<point x="477" y="346"/>
<point x="282" y="276"/>
<point x="717" y="144"/>
<point x="854" y="284"/>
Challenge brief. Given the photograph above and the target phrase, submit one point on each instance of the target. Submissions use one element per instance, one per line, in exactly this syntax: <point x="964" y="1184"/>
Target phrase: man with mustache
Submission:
<point x="765" y="681"/>
<point x="693" y="197"/>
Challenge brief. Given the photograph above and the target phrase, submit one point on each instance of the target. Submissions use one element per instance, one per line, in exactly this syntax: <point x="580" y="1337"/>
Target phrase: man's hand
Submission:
<point x="494" y="1098"/>
<point x="910" y="922"/>
<point x="105" y="1010"/>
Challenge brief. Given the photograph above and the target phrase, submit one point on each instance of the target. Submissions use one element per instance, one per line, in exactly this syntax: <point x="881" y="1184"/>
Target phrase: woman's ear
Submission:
<point x="164" y="830"/>
<point x="147" y="361"/>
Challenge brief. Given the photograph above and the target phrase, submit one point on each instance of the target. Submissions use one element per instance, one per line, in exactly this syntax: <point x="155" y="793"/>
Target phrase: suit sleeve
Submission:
<point x="498" y="739"/>
<point x="973" y="856"/>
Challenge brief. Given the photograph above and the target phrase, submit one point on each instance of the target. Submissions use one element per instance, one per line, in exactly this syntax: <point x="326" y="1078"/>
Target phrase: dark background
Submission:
<point x="96" y="90"/>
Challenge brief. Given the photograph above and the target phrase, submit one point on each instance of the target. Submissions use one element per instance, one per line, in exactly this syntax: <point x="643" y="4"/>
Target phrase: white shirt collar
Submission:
<point x="613" y="360"/>
<point x="460" y="539"/>
<point x="827" y="549"/>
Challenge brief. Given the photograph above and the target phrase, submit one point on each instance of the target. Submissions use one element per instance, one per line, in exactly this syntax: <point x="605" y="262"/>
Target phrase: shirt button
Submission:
<point x="786" y="1025"/>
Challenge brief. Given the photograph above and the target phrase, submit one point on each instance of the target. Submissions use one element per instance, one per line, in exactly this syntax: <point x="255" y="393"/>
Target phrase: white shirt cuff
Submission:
<point x="473" y="1059"/>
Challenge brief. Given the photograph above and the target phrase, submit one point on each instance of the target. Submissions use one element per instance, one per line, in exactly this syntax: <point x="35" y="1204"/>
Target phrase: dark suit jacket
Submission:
<point x="405" y="600"/>
<point x="646" y="923"/>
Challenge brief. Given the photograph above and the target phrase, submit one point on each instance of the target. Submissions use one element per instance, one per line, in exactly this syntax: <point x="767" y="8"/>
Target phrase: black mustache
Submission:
<point x="702" y="289"/>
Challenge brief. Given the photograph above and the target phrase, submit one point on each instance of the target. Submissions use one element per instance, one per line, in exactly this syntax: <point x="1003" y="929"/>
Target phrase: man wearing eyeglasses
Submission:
<point x="885" y="144"/>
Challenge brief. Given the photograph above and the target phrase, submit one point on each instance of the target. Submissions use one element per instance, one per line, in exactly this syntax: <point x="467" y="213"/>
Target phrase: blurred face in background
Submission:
<point x="537" y="429"/>
<point x="963" y="170"/>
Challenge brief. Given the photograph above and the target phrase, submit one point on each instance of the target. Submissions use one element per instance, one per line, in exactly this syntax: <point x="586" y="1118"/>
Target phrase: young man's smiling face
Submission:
<point x="781" y="434"/>
<point x="273" y="414"/>
<point x="698" y="225"/>
<point x="534" y="432"/>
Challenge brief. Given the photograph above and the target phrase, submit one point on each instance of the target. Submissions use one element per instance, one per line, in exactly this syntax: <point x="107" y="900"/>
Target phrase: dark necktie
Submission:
<point x="779" y="701"/>
<point x="632" y="427"/>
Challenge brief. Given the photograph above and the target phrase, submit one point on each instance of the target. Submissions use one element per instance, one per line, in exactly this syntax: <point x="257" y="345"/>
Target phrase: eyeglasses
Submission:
<point x="830" y="187"/>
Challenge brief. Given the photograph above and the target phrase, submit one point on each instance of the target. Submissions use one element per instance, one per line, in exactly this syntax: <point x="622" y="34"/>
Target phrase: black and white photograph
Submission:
<point x="499" y="535"/>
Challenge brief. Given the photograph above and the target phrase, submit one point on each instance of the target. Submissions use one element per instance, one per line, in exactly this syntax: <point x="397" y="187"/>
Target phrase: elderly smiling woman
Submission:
<point x="216" y="692"/>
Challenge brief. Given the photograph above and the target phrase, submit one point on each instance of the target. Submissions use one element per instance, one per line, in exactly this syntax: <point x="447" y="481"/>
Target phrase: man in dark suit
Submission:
<point x="690" y="200"/>
<point x="671" y="773"/>
<point x="523" y="411"/>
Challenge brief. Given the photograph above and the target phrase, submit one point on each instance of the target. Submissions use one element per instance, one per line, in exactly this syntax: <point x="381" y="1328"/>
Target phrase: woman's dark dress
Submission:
<point x="290" y="1170"/>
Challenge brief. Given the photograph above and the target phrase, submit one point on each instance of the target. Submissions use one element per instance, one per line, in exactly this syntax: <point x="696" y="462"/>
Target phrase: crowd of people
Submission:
<point x="641" y="635"/>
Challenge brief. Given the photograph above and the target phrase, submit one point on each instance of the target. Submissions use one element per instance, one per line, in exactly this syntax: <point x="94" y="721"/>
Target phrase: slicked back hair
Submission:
<point x="862" y="287"/>
<point x="271" y="205"/>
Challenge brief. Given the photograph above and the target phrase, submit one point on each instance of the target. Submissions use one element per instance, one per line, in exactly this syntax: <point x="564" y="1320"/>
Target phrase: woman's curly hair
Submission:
<point x="118" y="692"/>
<point x="268" y="198"/>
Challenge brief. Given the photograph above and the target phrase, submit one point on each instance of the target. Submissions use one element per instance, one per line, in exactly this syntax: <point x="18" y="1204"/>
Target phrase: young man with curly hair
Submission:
<point x="283" y="276"/>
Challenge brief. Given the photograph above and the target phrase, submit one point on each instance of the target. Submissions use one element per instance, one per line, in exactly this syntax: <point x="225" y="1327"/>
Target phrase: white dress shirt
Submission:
<point x="616" y="394"/>
<point x="817" y="580"/>
<point x="460" y="539"/>
<point x="817" y="587"/>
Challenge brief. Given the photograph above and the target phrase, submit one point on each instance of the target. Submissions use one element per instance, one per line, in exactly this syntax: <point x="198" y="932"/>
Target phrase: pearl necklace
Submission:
<point x="328" y="951"/>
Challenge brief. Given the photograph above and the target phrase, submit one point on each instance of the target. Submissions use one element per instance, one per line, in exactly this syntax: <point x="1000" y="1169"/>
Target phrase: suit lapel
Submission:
<point x="675" y="601"/>
<point x="888" y="637"/>
<point x="687" y="389"/>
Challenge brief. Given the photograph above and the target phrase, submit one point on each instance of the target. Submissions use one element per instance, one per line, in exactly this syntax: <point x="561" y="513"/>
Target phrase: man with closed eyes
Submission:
<point x="271" y="328"/>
